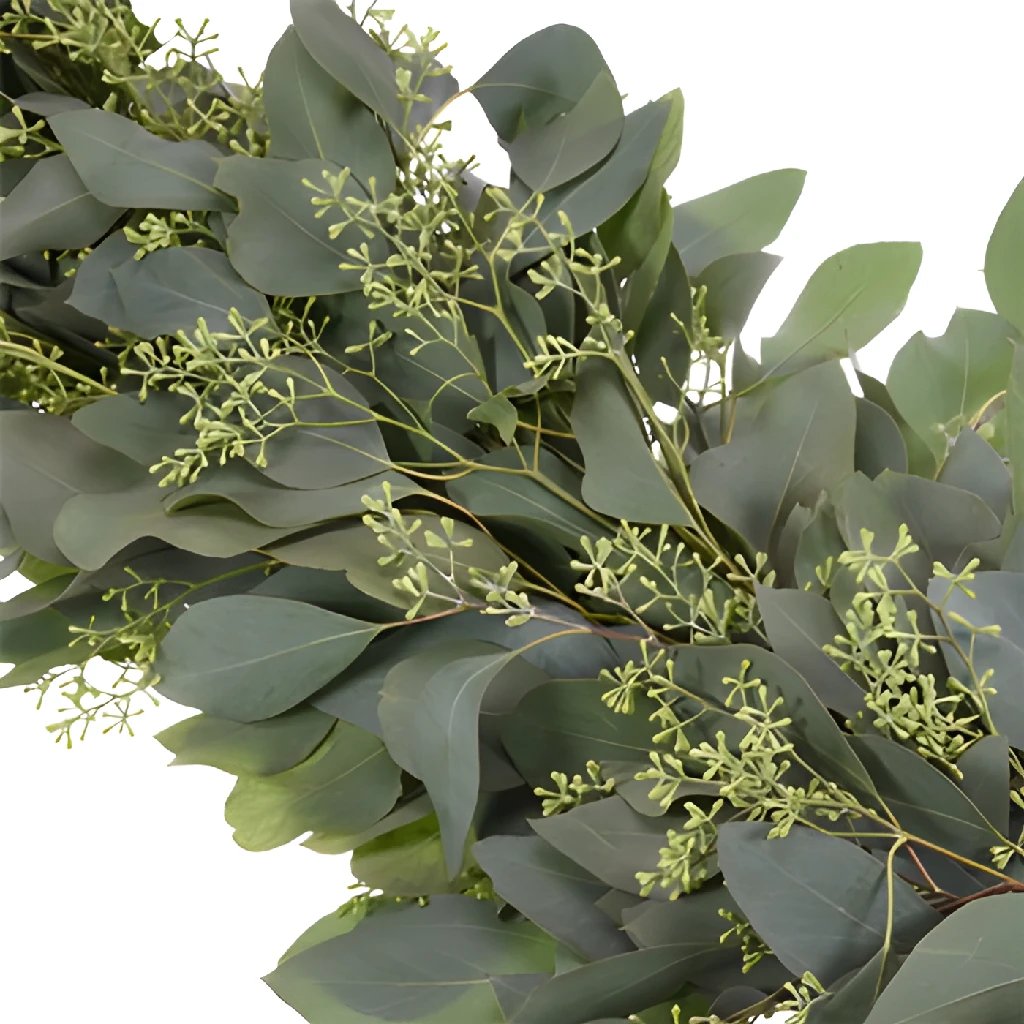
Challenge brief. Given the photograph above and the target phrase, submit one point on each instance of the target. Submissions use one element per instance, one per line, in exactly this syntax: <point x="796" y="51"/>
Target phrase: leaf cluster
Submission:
<point x="644" y="680"/>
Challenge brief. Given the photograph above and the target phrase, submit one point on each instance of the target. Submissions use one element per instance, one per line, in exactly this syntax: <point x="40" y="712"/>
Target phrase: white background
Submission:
<point x="124" y="899"/>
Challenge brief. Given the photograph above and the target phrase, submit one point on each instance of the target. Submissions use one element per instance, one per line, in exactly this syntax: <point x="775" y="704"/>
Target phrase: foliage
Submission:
<point x="645" y="680"/>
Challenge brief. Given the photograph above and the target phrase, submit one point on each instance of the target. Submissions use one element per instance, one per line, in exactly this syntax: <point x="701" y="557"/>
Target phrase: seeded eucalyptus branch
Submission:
<point x="642" y="680"/>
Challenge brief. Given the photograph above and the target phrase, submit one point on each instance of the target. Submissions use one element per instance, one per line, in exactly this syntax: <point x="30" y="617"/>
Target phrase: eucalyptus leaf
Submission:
<point x="312" y="115"/>
<point x="969" y="968"/>
<point x="249" y="658"/>
<point x="344" y="50"/>
<point x="848" y="300"/>
<point x="1003" y="261"/>
<point x="50" y="208"/>
<point x="739" y="218"/>
<point x="348" y="783"/>
<point x="122" y="164"/>
<point x="622" y="479"/>
<point x="817" y="900"/>
<point x="276" y="242"/>
<point x="431" y="961"/>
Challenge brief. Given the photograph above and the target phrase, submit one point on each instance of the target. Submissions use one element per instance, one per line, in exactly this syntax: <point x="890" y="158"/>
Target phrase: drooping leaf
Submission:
<point x="552" y="891"/>
<point x="848" y="300"/>
<point x="660" y="346"/>
<point x="249" y="658"/>
<point x="247" y="748"/>
<point x="348" y="783"/>
<point x="1015" y="426"/>
<point x="925" y="803"/>
<point x="733" y="284"/>
<point x="542" y="76"/>
<point x="91" y="528"/>
<point x="433" y="962"/>
<point x="431" y="725"/>
<point x="45" y="462"/>
<point x="739" y="218"/>
<point x="170" y="289"/>
<point x="50" y="208"/>
<point x="563" y="724"/>
<point x="622" y="479"/>
<point x="311" y="115"/>
<point x="801" y="442"/>
<point x="854" y="997"/>
<point x="970" y="968"/>
<point x="609" y="839"/>
<point x="122" y="164"/>
<point x="1004" y="260"/>
<point x="591" y="199"/>
<point x="986" y="779"/>
<point x="345" y="51"/>
<point x="616" y="985"/>
<point x="144" y="431"/>
<point x="798" y="623"/>
<point x="548" y="155"/>
<point x="817" y="900"/>
<point x="547" y="500"/>
<point x="974" y="465"/>
<point x="879" y="445"/>
<point x="939" y="385"/>
<point x="408" y="860"/>
<point x="276" y="242"/>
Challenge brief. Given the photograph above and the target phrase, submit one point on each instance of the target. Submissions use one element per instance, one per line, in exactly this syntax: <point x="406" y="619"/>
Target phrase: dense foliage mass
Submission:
<point x="645" y="680"/>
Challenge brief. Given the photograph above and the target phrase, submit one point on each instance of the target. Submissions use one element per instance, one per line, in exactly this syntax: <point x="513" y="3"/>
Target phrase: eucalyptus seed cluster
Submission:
<point x="883" y="644"/>
<point x="752" y="946"/>
<point x="35" y="372"/>
<point x="571" y="792"/>
<point x="241" y="399"/>
<point x="655" y="579"/>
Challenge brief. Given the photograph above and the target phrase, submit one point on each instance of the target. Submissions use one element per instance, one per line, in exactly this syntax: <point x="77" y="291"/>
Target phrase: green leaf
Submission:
<point x="925" y="803"/>
<point x="426" y="963"/>
<point x="276" y="242"/>
<point x="800" y="442"/>
<point x="609" y="839"/>
<point x="344" y="50"/>
<point x="254" y="748"/>
<point x="1015" y="427"/>
<point x="250" y="658"/>
<point x="548" y="155"/>
<point x="45" y="462"/>
<point x="986" y="779"/>
<point x="798" y="623"/>
<point x="124" y="165"/>
<point x="273" y="505"/>
<point x="405" y="861"/>
<point x="590" y="200"/>
<point x="739" y="218"/>
<point x="91" y="528"/>
<point x="562" y="725"/>
<point x="336" y="439"/>
<point x="311" y="115"/>
<point x="733" y="284"/>
<point x="170" y="289"/>
<point x="974" y="465"/>
<point x="515" y="493"/>
<point x="50" y="208"/>
<point x="879" y="444"/>
<point x="616" y="985"/>
<point x="622" y="478"/>
<point x="857" y="994"/>
<point x="542" y="76"/>
<point x="970" y="968"/>
<point x="1004" y="260"/>
<point x="848" y="300"/>
<point x="431" y="722"/>
<point x="552" y="891"/>
<point x="660" y="346"/>
<point x="818" y="901"/>
<point x="347" y="784"/>
<point x="500" y="413"/>
<point x="939" y="385"/>
<point x="144" y="431"/>
<point x="34" y="643"/>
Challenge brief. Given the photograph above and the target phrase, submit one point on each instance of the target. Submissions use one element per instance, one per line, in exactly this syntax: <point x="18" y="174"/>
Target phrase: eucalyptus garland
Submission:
<point x="645" y="681"/>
